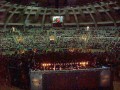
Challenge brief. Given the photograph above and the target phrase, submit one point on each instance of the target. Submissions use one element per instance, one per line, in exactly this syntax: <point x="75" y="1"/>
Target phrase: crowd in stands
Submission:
<point x="101" y="38"/>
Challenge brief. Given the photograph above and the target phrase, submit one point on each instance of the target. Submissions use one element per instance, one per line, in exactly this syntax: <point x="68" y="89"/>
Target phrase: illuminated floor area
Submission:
<point x="4" y="87"/>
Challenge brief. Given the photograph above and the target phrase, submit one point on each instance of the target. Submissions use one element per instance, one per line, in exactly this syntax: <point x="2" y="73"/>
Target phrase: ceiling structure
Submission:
<point x="56" y="3"/>
<point x="97" y="14"/>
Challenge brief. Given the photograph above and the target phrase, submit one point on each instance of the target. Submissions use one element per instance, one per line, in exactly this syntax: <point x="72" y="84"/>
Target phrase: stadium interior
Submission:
<point x="59" y="44"/>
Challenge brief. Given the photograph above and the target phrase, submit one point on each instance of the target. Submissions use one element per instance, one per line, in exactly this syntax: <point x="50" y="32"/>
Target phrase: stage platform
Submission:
<point x="82" y="79"/>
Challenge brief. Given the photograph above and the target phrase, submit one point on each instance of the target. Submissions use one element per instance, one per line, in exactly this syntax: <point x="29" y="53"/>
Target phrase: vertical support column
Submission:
<point x="52" y="13"/>
<point x="43" y="20"/>
<point x="26" y="23"/>
<point x="76" y="19"/>
<point x="7" y="21"/>
<point x="92" y="16"/>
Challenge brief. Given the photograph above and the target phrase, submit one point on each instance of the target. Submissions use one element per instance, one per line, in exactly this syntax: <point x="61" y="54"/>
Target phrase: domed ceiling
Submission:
<point x="93" y="14"/>
<point x="16" y="21"/>
<point x="55" y="3"/>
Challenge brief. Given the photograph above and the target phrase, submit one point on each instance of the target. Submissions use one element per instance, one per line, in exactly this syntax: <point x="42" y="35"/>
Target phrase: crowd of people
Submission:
<point x="101" y="38"/>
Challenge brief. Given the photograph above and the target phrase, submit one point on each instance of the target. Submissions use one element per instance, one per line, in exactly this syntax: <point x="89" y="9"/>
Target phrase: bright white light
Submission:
<point x="88" y="27"/>
<point x="13" y="28"/>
